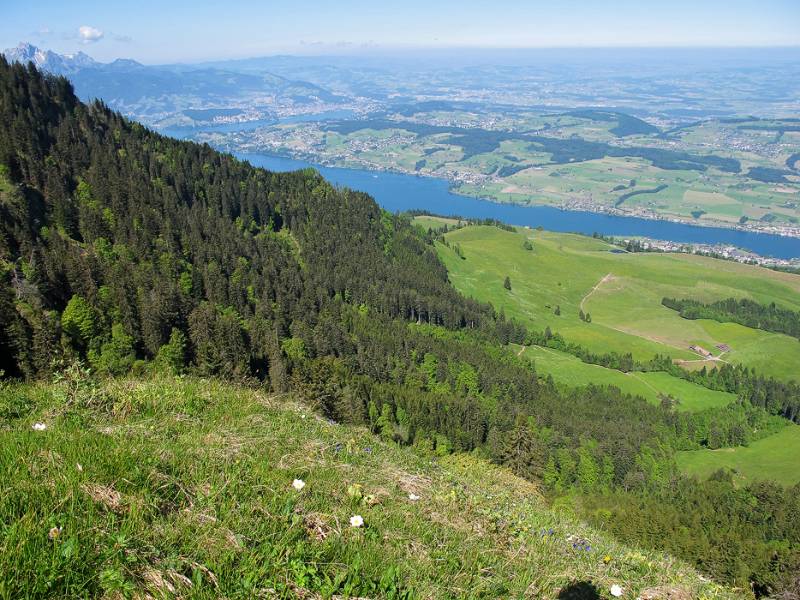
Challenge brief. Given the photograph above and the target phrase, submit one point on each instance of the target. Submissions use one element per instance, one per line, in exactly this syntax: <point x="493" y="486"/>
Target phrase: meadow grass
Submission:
<point x="775" y="457"/>
<point x="183" y="488"/>
<point x="627" y="315"/>
<point x="434" y="223"/>
<point x="571" y="371"/>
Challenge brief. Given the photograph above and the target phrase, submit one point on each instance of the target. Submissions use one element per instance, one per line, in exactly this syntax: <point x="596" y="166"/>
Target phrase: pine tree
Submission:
<point x="550" y="475"/>
<point x="523" y="452"/>
<point x="385" y="423"/>
<point x="588" y="476"/>
<point x="79" y="322"/>
<point x="171" y="356"/>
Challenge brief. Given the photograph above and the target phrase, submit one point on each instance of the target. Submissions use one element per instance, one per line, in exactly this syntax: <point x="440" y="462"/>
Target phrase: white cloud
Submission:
<point x="89" y="35"/>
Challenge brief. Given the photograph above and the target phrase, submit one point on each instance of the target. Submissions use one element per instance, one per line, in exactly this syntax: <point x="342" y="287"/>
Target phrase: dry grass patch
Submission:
<point x="106" y="496"/>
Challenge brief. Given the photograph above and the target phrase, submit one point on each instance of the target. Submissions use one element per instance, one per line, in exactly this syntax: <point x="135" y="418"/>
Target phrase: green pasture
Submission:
<point x="622" y="292"/>
<point x="775" y="457"/>
<point x="571" y="371"/>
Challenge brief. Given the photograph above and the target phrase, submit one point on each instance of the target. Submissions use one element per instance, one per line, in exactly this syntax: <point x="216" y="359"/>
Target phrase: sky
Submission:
<point x="179" y="31"/>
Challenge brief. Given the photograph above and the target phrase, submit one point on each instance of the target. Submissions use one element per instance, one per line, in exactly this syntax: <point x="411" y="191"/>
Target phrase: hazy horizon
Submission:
<point x="468" y="54"/>
<point x="147" y="31"/>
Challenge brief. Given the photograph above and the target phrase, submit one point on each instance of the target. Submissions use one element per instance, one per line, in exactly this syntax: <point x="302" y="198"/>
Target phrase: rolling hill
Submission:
<point x="623" y="293"/>
<point x="159" y="94"/>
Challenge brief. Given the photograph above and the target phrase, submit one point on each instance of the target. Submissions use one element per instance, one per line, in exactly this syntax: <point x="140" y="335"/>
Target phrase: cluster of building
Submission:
<point x="725" y="251"/>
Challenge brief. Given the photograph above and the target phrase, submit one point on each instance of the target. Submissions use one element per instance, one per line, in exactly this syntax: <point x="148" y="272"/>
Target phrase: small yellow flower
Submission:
<point x="606" y="559"/>
<point x="54" y="532"/>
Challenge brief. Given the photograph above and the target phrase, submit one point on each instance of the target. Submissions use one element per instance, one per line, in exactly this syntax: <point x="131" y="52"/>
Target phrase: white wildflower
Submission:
<point x="298" y="484"/>
<point x="617" y="590"/>
<point x="413" y="497"/>
<point x="54" y="532"/>
<point x="356" y="521"/>
<point x="39" y="426"/>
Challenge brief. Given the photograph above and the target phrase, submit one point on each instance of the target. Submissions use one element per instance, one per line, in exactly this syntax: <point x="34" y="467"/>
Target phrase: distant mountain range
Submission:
<point x="61" y="64"/>
<point x="172" y="94"/>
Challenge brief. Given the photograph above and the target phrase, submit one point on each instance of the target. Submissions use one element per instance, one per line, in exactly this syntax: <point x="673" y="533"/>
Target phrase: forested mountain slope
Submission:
<point x="133" y="252"/>
<point x="159" y="234"/>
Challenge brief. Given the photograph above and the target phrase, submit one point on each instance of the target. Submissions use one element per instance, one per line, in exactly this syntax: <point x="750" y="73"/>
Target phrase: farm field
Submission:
<point x="775" y="457"/>
<point x="571" y="371"/>
<point x="633" y="184"/>
<point x="611" y="161"/>
<point x="622" y="292"/>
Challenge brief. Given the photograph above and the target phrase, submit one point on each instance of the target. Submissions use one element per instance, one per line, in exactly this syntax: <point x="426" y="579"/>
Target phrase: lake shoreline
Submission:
<point x="439" y="195"/>
<point x="399" y="192"/>
<point x="454" y="187"/>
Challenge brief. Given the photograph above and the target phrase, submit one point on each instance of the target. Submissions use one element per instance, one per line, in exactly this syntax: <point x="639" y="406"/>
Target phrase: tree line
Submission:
<point x="744" y="311"/>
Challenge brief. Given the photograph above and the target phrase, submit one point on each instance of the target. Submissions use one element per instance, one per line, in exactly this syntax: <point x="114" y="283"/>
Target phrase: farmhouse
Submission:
<point x="700" y="350"/>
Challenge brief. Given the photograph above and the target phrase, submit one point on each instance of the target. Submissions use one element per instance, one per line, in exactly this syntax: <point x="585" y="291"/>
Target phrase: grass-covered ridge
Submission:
<point x="138" y="254"/>
<point x="623" y="294"/>
<point x="183" y="487"/>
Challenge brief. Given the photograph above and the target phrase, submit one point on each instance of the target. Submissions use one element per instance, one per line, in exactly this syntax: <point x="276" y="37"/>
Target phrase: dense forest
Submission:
<point x="132" y="252"/>
<point x="743" y="311"/>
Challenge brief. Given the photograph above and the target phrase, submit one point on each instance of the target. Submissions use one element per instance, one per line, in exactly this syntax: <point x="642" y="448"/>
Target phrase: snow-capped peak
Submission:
<point x="49" y="60"/>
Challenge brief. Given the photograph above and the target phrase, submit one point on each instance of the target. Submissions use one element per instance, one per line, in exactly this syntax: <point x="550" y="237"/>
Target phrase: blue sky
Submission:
<point x="169" y="31"/>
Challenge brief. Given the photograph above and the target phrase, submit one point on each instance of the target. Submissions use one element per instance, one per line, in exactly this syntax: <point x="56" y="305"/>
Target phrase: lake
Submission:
<point x="399" y="192"/>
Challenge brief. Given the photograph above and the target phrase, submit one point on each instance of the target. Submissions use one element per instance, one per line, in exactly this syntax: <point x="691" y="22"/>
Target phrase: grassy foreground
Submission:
<point x="183" y="487"/>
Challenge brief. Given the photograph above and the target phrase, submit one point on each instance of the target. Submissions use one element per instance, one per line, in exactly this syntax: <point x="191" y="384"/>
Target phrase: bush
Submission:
<point x="116" y="356"/>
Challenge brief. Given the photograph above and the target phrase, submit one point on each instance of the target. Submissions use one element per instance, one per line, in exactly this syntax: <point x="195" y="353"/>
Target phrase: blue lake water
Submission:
<point x="399" y="192"/>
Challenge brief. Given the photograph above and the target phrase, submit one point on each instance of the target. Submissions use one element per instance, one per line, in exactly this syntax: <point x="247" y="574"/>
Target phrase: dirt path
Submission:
<point x="647" y="383"/>
<point x="719" y="358"/>
<point x="594" y="289"/>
